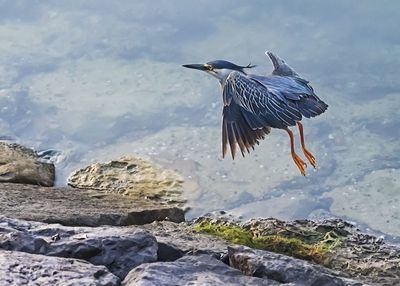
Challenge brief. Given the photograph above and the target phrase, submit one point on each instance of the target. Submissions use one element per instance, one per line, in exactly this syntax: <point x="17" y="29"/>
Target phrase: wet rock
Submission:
<point x="134" y="177"/>
<point x="20" y="268"/>
<point x="283" y="269"/>
<point x="119" y="249"/>
<point x="51" y="155"/>
<point x="19" y="164"/>
<point x="76" y="207"/>
<point x="190" y="270"/>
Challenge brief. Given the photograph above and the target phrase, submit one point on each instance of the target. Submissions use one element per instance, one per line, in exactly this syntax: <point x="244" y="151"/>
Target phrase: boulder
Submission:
<point x="119" y="249"/>
<point x="332" y="243"/>
<point x="76" y="207"/>
<point x="283" y="268"/>
<point x="20" y="268"/>
<point x="178" y="239"/>
<point x="133" y="177"/>
<point x="345" y="248"/>
<point x="19" y="164"/>
<point x="190" y="270"/>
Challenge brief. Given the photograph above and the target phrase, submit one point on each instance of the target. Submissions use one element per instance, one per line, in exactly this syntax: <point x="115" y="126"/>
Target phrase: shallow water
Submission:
<point x="100" y="79"/>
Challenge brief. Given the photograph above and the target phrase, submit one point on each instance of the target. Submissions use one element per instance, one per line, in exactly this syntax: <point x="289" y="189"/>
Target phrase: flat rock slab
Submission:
<point x="284" y="269"/>
<point x="120" y="249"/>
<point x="20" y="268"/>
<point x="19" y="164"/>
<point x="190" y="270"/>
<point x="75" y="207"/>
<point x="133" y="177"/>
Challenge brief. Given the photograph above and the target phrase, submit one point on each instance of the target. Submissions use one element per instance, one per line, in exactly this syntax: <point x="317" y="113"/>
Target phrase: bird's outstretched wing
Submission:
<point x="295" y="91"/>
<point x="287" y="85"/>
<point x="250" y="111"/>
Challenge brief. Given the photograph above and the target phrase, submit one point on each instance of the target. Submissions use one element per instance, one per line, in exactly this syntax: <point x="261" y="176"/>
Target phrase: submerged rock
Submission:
<point x="378" y="191"/>
<point x="190" y="270"/>
<point x="119" y="249"/>
<point x="134" y="177"/>
<point x="19" y="164"/>
<point x="76" y="207"/>
<point x="20" y="268"/>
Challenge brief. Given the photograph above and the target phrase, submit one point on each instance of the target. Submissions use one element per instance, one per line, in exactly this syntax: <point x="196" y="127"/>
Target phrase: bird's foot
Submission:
<point x="310" y="158"/>
<point x="300" y="164"/>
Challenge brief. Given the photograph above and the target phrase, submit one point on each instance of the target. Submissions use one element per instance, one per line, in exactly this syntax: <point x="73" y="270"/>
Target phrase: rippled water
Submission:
<point x="100" y="79"/>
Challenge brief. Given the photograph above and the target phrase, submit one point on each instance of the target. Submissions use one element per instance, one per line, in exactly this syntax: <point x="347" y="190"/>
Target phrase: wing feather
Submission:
<point x="236" y="131"/>
<point x="296" y="92"/>
<point x="259" y="101"/>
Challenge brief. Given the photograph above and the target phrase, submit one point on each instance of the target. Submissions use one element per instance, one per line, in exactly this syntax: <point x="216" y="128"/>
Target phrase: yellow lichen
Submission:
<point x="277" y="243"/>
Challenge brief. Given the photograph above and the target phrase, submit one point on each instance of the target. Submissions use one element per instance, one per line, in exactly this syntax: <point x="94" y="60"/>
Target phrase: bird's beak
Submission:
<point x="202" y="67"/>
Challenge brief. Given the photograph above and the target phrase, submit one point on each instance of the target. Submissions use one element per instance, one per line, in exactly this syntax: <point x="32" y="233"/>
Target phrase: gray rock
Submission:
<point x="76" y="207"/>
<point x="19" y="268"/>
<point x="190" y="270"/>
<point x="176" y="240"/>
<point x="284" y="269"/>
<point x="119" y="249"/>
<point x="19" y="164"/>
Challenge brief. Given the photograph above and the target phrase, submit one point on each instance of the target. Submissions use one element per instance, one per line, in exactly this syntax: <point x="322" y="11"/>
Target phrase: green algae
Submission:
<point x="296" y="247"/>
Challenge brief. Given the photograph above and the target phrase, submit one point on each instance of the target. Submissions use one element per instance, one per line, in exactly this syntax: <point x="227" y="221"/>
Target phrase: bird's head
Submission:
<point x="219" y="68"/>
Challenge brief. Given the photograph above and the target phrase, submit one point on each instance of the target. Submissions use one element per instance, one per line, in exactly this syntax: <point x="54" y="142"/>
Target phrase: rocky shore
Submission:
<point x="123" y="223"/>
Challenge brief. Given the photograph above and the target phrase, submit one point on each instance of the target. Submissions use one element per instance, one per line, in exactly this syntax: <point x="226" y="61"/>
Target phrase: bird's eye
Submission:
<point x="208" y="67"/>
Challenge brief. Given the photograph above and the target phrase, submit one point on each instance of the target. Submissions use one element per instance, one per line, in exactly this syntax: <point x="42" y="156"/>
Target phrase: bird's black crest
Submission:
<point x="222" y="64"/>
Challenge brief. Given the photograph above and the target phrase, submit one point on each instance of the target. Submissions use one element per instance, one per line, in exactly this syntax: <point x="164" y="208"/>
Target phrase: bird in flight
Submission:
<point x="253" y="104"/>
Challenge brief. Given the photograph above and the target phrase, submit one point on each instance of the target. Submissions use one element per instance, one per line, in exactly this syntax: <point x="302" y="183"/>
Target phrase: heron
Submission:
<point x="254" y="104"/>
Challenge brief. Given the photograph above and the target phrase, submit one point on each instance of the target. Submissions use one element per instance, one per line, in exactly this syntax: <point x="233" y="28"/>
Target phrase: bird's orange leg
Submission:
<point x="299" y="163"/>
<point x="307" y="153"/>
